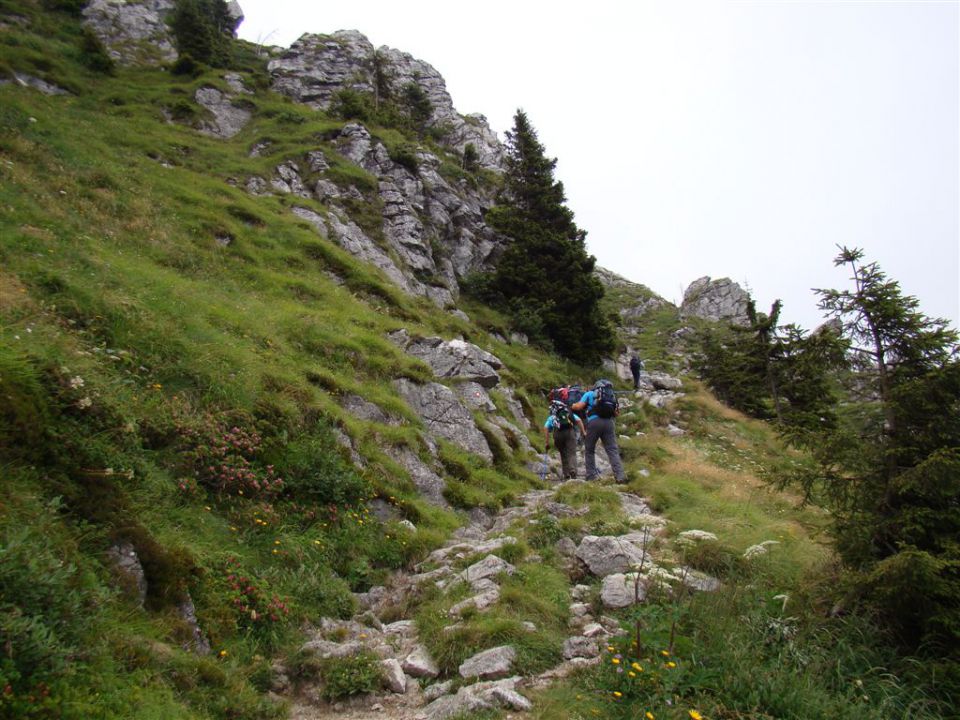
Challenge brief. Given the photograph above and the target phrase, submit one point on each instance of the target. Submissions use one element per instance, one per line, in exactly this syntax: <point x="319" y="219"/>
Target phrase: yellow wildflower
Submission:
<point x="617" y="694"/>
<point x="610" y="648"/>
<point x="631" y="673"/>
<point x="671" y="664"/>
<point x="650" y="715"/>
<point x="637" y="666"/>
<point x="665" y="653"/>
<point x="223" y="653"/>
<point x="276" y="542"/>
<point x="615" y="661"/>
<point x="694" y="715"/>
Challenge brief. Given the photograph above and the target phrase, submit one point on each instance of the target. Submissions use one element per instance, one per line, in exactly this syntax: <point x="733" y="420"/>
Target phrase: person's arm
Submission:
<point x="583" y="430"/>
<point x="546" y="435"/>
<point x="582" y="404"/>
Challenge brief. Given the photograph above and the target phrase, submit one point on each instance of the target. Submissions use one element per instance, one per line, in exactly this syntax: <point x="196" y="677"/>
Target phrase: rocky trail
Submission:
<point x="412" y="686"/>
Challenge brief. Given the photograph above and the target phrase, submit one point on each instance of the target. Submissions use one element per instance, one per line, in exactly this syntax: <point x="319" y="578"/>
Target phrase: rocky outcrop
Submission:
<point x="132" y="31"/>
<point x="444" y="416"/>
<point x="137" y="30"/>
<point x="433" y="231"/>
<point x="716" y="300"/>
<point x="316" y="67"/>
<point x="453" y="359"/>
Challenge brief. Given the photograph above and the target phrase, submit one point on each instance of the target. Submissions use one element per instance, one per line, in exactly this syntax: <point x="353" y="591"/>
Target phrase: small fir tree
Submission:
<point x="891" y="473"/>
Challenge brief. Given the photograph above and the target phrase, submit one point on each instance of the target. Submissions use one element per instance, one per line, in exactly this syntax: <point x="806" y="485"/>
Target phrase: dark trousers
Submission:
<point x="565" y="441"/>
<point x="636" y="377"/>
<point x="604" y="430"/>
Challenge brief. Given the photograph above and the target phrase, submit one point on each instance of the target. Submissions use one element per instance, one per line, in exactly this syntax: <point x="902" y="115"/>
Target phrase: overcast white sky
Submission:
<point x="729" y="139"/>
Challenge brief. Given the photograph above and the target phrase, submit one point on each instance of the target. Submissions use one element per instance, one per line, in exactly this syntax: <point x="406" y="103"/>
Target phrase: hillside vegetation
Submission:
<point x="175" y="360"/>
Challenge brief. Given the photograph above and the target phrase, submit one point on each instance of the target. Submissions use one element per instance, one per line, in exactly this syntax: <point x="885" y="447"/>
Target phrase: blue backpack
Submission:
<point x="605" y="404"/>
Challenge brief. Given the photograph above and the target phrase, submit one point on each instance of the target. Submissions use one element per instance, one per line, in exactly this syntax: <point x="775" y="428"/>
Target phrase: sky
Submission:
<point x="730" y="139"/>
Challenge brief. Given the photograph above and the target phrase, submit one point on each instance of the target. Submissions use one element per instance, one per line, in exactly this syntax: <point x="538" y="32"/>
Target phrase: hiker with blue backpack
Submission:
<point x="600" y="407"/>
<point x="564" y="423"/>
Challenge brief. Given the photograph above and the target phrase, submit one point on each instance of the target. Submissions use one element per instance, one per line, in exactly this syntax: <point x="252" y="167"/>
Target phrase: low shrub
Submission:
<point x="354" y="675"/>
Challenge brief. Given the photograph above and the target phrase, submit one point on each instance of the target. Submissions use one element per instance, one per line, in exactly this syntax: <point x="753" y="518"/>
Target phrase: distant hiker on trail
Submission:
<point x="601" y="407"/>
<point x="636" y="365"/>
<point x="564" y="423"/>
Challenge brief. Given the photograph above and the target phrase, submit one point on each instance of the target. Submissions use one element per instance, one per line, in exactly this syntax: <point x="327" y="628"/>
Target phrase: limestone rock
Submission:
<point x="618" y="590"/>
<point x="419" y="664"/>
<point x="428" y="483"/>
<point x="605" y="555"/>
<point x="124" y="557"/>
<point x="393" y="676"/>
<point x="366" y="410"/>
<point x="316" y="67"/>
<point x="475" y="396"/>
<point x="132" y="30"/>
<point x="462" y="704"/>
<point x="700" y="581"/>
<point x="489" y="664"/>
<point x="198" y="642"/>
<point x="457" y="360"/>
<point x="228" y="118"/>
<point x="579" y="646"/>
<point x="489" y="567"/>
<point x="716" y="300"/>
<point x="444" y="415"/>
<point x="329" y="649"/>
<point x="437" y="690"/>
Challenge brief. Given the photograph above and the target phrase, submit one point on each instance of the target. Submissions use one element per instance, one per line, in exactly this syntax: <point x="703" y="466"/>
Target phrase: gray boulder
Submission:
<point x="489" y="664"/>
<point x="605" y="555"/>
<point x="419" y="664"/>
<point x="393" y="676"/>
<point x="619" y="590"/>
<point x="579" y="646"/>
<point x="428" y="483"/>
<point x="490" y="567"/>
<point x="228" y="119"/>
<point x="716" y="300"/>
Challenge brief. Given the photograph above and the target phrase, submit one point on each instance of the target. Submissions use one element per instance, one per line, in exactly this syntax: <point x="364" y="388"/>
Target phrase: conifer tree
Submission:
<point x="891" y="474"/>
<point x="544" y="278"/>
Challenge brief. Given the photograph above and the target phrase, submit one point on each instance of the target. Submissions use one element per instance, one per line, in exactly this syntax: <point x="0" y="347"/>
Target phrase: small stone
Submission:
<point x="579" y="647"/>
<point x="419" y="664"/>
<point x="432" y="692"/>
<point x="393" y="676"/>
<point x="511" y="699"/>
<point x="593" y="630"/>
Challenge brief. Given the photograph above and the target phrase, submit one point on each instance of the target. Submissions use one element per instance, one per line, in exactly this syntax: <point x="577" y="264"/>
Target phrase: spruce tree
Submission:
<point x="891" y="472"/>
<point x="544" y="278"/>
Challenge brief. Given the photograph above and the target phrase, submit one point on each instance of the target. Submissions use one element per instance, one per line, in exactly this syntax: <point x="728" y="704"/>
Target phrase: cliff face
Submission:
<point x="316" y="67"/>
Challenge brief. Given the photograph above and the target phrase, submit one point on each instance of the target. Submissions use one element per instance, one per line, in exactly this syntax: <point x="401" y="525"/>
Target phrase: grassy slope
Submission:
<point x="110" y="272"/>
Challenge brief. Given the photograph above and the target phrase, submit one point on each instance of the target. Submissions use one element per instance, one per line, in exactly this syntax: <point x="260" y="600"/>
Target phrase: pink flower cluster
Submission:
<point x="225" y="461"/>
<point x="251" y="602"/>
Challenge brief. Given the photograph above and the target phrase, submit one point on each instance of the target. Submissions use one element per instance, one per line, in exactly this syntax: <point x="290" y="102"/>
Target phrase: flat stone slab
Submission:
<point x="607" y="554"/>
<point x="489" y="567"/>
<point x="490" y="664"/>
